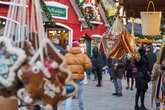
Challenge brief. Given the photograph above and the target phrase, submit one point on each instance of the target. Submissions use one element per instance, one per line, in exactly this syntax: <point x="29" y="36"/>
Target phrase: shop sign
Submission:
<point x="58" y="10"/>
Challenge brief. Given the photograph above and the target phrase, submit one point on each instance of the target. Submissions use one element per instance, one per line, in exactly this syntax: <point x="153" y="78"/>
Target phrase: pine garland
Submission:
<point x="49" y="16"/>
<point x="48" y="13"/>
<point x="87" y="17"/>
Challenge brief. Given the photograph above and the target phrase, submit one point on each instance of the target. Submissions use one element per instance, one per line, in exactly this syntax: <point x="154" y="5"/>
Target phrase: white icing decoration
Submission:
<point x="48" y="107"/>
<point x="54" y="65"/>
<point x="25" y="96"/>
<point x="50" y="89"/>
<point x="7" y="82"/>
<point x="64" y="91"/>
<point x="44" y="69"/>
<point x="19" y="74"/>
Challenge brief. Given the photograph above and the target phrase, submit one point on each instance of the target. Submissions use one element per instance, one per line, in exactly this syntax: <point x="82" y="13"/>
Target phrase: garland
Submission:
<point x="49" y="16"/>
<point x="90" y="25"/>
<point x="90" y="12"/>
<point x="46" y="10"/>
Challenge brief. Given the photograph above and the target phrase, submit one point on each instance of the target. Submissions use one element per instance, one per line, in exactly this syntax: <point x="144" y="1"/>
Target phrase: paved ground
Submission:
<point x="102" y="99"/>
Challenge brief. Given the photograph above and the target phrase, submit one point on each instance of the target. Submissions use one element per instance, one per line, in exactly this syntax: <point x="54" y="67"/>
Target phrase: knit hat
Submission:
<point x="75" y="44"/>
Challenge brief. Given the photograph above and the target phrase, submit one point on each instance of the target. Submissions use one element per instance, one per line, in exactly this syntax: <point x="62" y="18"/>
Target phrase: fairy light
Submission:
<point x="59" y="32"/>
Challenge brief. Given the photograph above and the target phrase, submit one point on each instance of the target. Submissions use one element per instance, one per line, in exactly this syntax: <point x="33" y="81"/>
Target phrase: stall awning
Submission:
<point x="133" y="7"/>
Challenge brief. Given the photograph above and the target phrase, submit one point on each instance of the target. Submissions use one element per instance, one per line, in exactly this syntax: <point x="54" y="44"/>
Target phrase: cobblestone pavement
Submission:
<point x="102" y="99"/>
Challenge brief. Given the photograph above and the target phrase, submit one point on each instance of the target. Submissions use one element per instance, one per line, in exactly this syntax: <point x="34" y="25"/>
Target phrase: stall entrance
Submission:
<point x="60" y="33"/>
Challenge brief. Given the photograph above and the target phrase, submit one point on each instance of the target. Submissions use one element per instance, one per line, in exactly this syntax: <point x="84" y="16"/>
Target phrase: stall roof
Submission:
<point x="133" y="7"/>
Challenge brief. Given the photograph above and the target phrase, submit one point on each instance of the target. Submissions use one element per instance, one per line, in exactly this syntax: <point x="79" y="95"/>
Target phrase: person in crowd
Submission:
<point x="130" y="71"/>
<point x="156" y="77"/>
<point x="78" y="63"/>
<point x="142" y="78"/>
<point x="151" y="56"/>
<point x="56" y="43"/>
<point x="98" y="62"/>
<point x="109" y="65"/>
<point x="118" y="70"/>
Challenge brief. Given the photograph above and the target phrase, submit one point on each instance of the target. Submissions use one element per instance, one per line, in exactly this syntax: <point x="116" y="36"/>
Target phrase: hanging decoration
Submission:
<point x="90" y="10"/>
<point x="44" y="74"/>
<point x="46" y="67"/>
<point x="151" y="21"/>
<point x="51" y="76"/>
<point x="118" y="42"/>
<point x="10" y="59"/>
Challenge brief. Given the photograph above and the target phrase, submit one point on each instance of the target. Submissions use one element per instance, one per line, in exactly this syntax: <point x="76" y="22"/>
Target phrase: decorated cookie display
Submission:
<point x="43" y="77"/>
<point x="49" y="80"/>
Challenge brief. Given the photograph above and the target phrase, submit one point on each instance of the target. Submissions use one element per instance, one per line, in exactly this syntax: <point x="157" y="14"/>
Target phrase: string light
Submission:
<point x="59" y="32"/>
<point x="3" y="22"/>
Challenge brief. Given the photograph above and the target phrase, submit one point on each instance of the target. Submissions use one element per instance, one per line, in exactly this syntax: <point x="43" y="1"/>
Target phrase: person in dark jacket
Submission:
<point x="98" y="62"/>
<point x="151" y="56"/>
<point x="141" y="78"/>
<point x="118" y="70"/>
<point x="130" y="72"/>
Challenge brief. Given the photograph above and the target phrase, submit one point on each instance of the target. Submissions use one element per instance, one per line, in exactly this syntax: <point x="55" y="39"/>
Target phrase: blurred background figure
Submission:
<point x="158" y="84"/>
<point x="142" y="78"/>
<point x="151" y="56"/>
<point x="118" y="70"/>
<point x="98" y="62"/>
<point x="130" y="71"/>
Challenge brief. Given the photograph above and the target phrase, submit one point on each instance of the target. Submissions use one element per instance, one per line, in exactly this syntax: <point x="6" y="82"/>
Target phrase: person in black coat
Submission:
<point x="141" y="78"/>
<point x="151" y="56"/>
<point x="130" y="72"/>
<point x="118" y="69"/>
<point x="98" y="62"/>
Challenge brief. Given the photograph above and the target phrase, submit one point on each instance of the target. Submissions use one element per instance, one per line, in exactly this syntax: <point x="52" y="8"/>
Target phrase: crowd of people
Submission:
<point x="137" y="71"/>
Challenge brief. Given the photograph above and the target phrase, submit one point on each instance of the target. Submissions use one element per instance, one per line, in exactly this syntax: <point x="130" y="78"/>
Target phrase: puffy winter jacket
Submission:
<point x="77" y="63"/>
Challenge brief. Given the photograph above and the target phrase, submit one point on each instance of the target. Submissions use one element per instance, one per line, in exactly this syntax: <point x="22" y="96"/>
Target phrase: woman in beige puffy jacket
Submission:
<point x="78" y="63"/>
